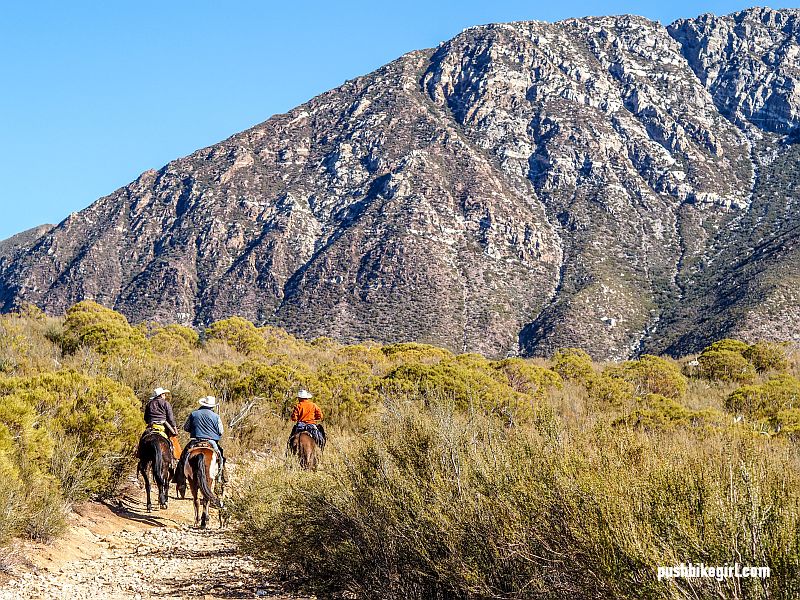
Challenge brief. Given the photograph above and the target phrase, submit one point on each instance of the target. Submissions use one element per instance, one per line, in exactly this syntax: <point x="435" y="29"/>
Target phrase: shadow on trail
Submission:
<point x="131" y="509"/>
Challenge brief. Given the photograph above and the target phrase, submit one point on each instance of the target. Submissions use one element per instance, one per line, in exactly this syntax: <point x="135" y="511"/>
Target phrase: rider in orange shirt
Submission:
<point x="307" y="415"/>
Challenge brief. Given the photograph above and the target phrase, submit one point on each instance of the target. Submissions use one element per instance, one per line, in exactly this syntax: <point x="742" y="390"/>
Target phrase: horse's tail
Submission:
<point x="198" y="462"/>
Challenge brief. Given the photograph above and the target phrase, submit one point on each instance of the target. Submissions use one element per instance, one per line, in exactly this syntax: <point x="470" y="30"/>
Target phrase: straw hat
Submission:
<point x="158" y="392"/>
<point x="208" y="401"/>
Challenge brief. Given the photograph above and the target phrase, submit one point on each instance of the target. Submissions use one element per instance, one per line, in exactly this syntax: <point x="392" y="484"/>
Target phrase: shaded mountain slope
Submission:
<point x="603" y="182"/>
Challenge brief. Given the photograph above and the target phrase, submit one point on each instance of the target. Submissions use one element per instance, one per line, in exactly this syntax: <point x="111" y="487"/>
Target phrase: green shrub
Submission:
<point x="174" y="340"/>
<point x="767" y="357"/>
<point x="786" y="422"/>
<point x="652" y="375"/>
<point x="527" y="378"/>
<point x="610" y="391"/>
<point x="461" y="385"/>
<point x="101" y="416"/>
<point x="725" y="365"/>
<point x="101" y="329"/>
<point x="239" y="334"/>
<point x="765" y="400"/>
<point x="278" y="384"/>
<point x="727" y="345"/>
<point x="417" y="353"/>
<point x="573" y="364"/>
<point x="658" y="413"/>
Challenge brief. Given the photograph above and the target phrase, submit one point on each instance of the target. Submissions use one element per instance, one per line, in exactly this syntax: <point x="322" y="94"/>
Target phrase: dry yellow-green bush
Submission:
<point x="63" y="436"/>
<point x="725" y="365"/>
<point x="765" y="400"/>
<point x="466" y="384"/>
<point x="240" y="334"/>
<point x="658" y="413"/>
<point x="652" y="375"/>
<point x="728" y="345"/>
<point x="767" y="357"/>
<point x="101" y="415"/>
<point x="573" y="363"/>
<point x="527" y="378"/>
<point x="174" y="340"/>
<point x="440" y="506"/>
<point x="102" y="329"/>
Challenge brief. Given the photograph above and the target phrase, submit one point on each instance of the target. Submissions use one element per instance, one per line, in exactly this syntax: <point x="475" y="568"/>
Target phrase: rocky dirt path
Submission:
<point x="120" y="552"/>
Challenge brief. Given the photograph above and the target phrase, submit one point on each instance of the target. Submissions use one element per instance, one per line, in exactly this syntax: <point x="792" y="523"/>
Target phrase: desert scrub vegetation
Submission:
<point x="442" y="504"/>
<point x="449" y="476"/>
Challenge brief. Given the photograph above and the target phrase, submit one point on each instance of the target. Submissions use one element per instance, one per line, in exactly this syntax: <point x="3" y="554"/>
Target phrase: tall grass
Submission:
<point x="448" y="506"/>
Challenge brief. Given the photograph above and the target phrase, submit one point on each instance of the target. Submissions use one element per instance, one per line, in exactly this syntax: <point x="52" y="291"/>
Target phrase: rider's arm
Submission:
<point x="295" y="413"/>
<point x="187" y="426"/>
<point x="147" y="413"/>
<point x="171" y="417"/>
<point x="220" y="427"/>
<point x="317" y="413"/>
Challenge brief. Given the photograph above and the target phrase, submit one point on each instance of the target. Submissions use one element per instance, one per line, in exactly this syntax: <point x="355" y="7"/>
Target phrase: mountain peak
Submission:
<point x="603" y="182"/>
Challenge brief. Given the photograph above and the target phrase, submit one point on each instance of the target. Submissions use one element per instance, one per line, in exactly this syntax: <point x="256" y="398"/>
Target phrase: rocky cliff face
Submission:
<point x="602" y="182"/>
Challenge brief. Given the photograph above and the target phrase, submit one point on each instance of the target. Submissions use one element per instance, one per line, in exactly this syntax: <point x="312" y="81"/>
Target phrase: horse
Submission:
<point x="304" y="446"/>
<point x="155" y="454"/>
<point x="201" y="469"/>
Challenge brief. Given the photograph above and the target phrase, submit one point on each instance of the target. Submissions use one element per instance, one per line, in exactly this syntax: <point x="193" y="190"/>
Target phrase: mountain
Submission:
<point x="22" y="242"/>
<point x="604" y="182"/>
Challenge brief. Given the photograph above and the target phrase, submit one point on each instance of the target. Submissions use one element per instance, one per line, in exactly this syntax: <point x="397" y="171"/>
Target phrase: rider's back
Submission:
<point x="205" y="424"/>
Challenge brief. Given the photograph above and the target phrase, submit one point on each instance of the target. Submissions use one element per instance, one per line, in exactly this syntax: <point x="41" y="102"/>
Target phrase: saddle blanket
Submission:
<point x="162" y="431"/>
<point x="311" y="430"/>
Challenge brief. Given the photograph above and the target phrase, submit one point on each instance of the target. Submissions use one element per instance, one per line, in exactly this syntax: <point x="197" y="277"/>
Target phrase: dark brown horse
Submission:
<point x="201" y="470"/>
<point x="303" y="445"/>
<point x="155" y="454"/>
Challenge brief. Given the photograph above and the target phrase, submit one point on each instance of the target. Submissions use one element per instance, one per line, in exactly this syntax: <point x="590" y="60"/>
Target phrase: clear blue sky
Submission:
<point x="94" y="93"/>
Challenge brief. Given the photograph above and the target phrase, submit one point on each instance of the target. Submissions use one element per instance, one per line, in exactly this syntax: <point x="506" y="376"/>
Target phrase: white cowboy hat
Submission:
<point x="305" y="394"/>
<point x="159" y="392"/>
<point x="208" y="401"/>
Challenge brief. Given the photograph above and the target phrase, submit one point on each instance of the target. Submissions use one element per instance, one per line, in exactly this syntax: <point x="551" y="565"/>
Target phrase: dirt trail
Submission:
<point x="118" y="551"/>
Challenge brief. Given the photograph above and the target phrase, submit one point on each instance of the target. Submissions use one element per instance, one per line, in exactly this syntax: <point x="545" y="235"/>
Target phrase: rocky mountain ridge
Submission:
<point x="603" y="182"/>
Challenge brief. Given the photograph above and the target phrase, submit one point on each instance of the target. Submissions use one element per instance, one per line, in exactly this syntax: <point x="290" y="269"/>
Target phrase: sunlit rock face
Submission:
<point x="606" y="182"/>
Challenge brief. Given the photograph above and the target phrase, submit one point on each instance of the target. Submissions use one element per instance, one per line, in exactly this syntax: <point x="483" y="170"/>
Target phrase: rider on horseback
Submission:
<point x="158" y="416"/>
<point x="203" y="425"/>
<point x="306" y="415"/>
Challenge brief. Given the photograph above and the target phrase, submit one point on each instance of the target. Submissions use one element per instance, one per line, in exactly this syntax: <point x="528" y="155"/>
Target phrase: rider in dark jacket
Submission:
<point x="158" y="411"/>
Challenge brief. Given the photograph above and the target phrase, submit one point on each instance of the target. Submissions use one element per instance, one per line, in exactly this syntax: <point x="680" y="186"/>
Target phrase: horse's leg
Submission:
<point x="196" y="499"/>
<point x="301" y="451"/>
<point x="220" y="510"/>
<point x="163" y="491"/>
<point x="307" y="452"/>
<point x="204" y="518"/>
<point x="143" y="471"/>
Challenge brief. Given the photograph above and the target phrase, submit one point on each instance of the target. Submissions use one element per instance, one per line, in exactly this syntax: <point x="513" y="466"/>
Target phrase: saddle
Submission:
<point x="201" y="446"/>
<point x="156" y="428"/>
<point x="198" y="445"/>
<point x="161" y="430"/>
<point x="317" y="433"/>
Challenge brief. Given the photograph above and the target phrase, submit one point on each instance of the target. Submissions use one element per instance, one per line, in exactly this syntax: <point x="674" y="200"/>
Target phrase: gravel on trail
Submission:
<point x="121" y="552"/>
